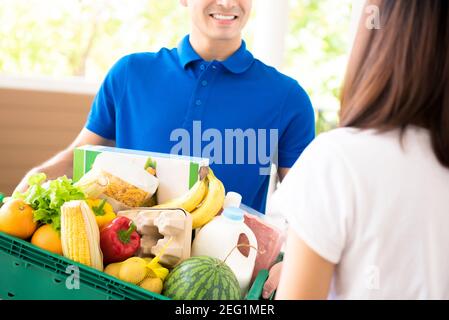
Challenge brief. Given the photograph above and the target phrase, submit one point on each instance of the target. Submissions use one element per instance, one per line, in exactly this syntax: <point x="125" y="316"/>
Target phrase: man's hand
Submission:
<point x="23" y="185"/>
<point x="62" y="163"/>
<point x="275" y="272"/>
<point x="273" y="280"/>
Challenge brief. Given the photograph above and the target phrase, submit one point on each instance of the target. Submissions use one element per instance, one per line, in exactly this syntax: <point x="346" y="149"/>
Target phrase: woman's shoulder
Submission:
<point x="349" y="134"/>
<point x="350" y="147"/>
<point x="350" y="139"/>
<point x="364" y="147"/>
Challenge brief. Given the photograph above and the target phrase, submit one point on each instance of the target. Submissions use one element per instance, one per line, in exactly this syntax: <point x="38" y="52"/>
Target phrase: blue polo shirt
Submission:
<point x="239" y="113"/>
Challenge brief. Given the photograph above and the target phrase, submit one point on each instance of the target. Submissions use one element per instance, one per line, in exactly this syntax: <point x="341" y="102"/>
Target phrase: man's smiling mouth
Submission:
<point x="223" y="17"/>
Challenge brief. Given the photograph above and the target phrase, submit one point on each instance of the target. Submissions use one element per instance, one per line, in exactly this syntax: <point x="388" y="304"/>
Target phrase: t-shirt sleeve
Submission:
<point x="101" y="119"/>
<point x="298" y="126"/>
<point x="317" y="199"/>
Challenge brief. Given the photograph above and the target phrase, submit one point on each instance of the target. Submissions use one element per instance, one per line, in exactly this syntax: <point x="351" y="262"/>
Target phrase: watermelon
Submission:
<point x="202" y="278"/>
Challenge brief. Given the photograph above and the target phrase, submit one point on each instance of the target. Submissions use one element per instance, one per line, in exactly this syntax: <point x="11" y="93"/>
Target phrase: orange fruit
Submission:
<point x="16" y="219"/>
<point x="47" y="238"/>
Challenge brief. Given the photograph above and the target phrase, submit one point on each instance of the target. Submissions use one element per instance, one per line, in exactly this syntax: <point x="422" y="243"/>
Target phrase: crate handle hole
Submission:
<point x="56" y="280"/>
<point x="17" y="264"/>
<point x="11" y="295"/>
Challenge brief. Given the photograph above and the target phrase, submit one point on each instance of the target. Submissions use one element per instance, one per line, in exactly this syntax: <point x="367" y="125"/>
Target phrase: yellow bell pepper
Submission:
<point x="104" y="213"/>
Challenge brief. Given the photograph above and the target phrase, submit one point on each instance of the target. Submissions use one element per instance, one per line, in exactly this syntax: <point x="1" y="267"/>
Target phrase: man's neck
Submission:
<point x="211" y="50"/>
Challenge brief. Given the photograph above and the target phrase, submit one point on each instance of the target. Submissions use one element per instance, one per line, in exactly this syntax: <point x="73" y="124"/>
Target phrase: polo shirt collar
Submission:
<point x="238" y="62"/>
<point x="186" y="53"/>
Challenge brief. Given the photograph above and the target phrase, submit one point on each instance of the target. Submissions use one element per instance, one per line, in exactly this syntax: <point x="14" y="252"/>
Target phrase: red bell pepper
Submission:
<point x="119" y="240"/>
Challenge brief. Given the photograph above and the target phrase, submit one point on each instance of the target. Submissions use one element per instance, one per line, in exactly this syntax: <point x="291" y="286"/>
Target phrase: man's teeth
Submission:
<point x="223" y="17"/>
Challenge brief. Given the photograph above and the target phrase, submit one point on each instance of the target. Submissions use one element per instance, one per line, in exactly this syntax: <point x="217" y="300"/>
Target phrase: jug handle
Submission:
<point x="252" y="239"/>
<point x="238" y="246"/>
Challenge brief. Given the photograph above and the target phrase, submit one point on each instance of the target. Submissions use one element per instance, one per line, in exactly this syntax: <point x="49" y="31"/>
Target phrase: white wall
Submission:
<point x="271" y="27"/>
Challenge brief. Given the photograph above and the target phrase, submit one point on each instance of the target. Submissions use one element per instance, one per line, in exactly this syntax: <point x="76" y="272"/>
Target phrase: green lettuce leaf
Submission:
<point x="47" y="197"/>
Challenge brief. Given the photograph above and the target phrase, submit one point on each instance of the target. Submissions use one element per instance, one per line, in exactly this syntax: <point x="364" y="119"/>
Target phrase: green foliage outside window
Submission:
<point x="318" y="43"/>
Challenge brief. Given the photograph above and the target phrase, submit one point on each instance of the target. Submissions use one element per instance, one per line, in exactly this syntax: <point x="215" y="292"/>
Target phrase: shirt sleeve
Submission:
<point x="298" y="126"/>
<point x="317" y="199"/>
<point x="101" y="119"/>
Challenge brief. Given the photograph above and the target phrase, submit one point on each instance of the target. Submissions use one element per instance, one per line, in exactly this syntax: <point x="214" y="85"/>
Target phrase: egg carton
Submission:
<point x="157" y="227"/>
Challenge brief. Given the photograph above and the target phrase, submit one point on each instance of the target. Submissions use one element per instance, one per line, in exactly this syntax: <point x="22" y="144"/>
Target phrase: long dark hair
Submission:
<point x="398" y="75"/>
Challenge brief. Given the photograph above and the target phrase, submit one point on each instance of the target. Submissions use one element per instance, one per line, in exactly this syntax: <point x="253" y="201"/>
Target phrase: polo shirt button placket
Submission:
<point x="198" y="102"/>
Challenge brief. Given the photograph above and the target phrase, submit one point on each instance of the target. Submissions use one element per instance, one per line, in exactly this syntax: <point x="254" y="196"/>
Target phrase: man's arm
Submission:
<point x="62" y="163"/>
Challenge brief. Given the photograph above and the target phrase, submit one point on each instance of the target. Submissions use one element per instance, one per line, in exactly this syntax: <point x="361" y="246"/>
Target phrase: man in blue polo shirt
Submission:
<point x="208" y="97"/>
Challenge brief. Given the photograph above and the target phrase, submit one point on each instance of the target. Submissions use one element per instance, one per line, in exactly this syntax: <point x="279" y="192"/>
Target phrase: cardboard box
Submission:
<point x="176" y="174"/>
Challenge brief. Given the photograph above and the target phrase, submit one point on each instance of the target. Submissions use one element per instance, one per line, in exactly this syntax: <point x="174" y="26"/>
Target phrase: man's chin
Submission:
<point x="225" y="36"/>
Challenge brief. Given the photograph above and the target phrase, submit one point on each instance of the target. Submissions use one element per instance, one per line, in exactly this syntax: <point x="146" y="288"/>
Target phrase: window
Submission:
<point x="83" y="37"/>
<point x="317" y="48"/>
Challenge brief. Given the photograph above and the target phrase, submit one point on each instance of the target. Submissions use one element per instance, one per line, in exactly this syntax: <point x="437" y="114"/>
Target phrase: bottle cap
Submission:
<point x="232" y="200"/>
<point x="234" y="214"/>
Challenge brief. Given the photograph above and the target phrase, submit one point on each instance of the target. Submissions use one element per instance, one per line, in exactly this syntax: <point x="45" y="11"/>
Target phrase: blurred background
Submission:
<point x="54" y="55"/>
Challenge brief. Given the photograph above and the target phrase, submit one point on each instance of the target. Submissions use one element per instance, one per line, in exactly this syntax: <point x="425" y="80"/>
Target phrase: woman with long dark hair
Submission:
<point x="368" y="203"/>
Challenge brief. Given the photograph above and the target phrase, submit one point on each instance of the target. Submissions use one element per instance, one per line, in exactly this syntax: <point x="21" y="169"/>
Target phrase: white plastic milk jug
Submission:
<point x="218" y="239"/>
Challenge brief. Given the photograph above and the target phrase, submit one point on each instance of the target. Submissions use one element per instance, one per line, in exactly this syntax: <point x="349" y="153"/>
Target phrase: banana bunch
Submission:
<point x="203" y="201"/>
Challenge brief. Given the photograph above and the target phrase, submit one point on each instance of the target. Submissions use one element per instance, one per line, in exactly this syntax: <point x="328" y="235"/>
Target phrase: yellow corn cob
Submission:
<point x="80" y="236"/>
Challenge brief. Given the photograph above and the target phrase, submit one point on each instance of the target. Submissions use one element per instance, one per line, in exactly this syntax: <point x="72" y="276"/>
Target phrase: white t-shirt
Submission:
<point x="377" y="210"/>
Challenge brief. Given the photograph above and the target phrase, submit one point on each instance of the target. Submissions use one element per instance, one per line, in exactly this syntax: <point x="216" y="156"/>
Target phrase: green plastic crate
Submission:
<point x="28" y="272"/>
<point x="255" y="292"/>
